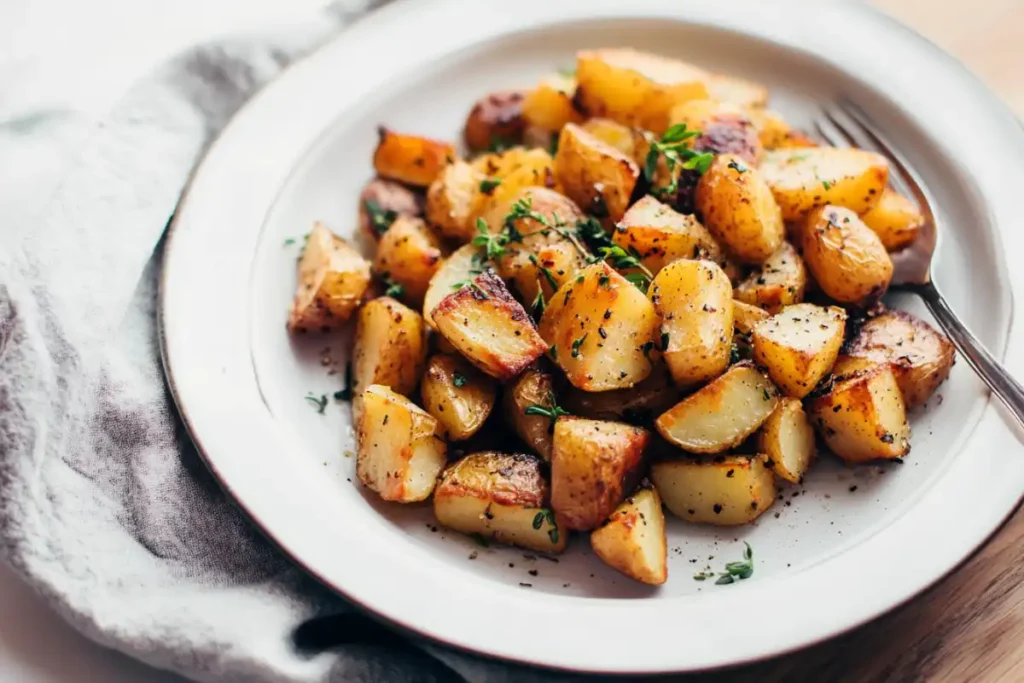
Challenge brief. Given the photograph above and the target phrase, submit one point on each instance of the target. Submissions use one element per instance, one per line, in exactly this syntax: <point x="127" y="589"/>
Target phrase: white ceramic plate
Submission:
<point x="833" y="553"/>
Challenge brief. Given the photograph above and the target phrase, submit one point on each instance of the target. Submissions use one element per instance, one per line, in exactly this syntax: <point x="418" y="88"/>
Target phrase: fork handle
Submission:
<point x="1009" y="390"/>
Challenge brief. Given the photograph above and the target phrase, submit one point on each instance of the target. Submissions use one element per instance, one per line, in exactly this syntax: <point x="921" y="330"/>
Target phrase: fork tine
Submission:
<point x="831" y="135"/>
<point x="858" y="130"/>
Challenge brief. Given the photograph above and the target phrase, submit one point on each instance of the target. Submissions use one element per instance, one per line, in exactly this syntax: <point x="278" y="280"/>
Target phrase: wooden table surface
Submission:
<point x="969" y="627"/>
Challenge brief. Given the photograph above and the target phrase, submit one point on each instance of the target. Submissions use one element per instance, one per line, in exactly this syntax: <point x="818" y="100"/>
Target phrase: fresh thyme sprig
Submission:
<point x="551" y="411"/>
<point x="380" y="219"/>
<point x="673" y="146"/>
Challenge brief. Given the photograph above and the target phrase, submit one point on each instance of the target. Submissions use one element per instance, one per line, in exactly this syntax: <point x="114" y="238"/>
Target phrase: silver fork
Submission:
<point x="851" y="126"/>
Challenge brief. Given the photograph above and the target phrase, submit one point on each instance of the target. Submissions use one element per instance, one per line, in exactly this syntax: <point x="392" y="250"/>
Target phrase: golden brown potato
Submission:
<point x="863" y="418"/>
<point x="595" y="175"/>
<point x="635" y="88"/>
<point x="895" y="219"/>
<point x="637" y="405"/>
<point x="532" y="388"/>
<point x="466" y="262"/>
<point x="775" y="132"/>
<point x="593" y="464"/>
<point x="612" y="133"/>
<point x="805" y="179"/>
<point x="788" y="441"/>
<point x="739" y="209"/>
<point x="724" y="129"/>
<point x="333" y="278"/>
<point x="408" y="255"/>
<point x="410" y="159"/>
<point x="390" y="347"/>
<point x="694" y="301"/>
<point x="921" y="358"/>
<point x="799" y="345"/>
<point x="512" y="170"/>
<point x="846" y="258"/>
<point x="780" y="281"/>
<point x="722" y="414"/>
<point x="602" y="330"/>
<point x="459" y="396"/>
<point x="737" y="91"/>
<point x="495" y="120"/>
<point x="661" y="235"/>
<point x="725" y="491"/>
<point x="382" y="201"/>
<point x="549" y="105"/>
<point x="633" y="540"/>
<point x="489" y="327"/>
<point x="399" y="455"/>
<point x="746" y="316"/>
<point x="453" y="200"/>
<point x="500" y="496"/>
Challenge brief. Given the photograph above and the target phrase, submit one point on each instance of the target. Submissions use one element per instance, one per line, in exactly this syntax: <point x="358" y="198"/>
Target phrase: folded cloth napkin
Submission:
<point x="105" y="507"/>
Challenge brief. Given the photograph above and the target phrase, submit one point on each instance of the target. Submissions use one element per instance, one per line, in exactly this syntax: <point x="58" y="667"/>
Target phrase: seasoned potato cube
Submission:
<point x="612" y="133"/>
<point x="788" y="441"/>
<point x="737" y="91"/>
<point x="494" y="120"/>
<point x="593" y="463"/>
<point x="661" y="235"/>
<point x="532" y="388"/>
<point x="921" y="358"/>
<point x="382" y="201"/>
<point x="722" y="414"/>
<point x="805" y="179"/>
<point x="694" y="300"/>
<point x="333" y="278"/>
<point x="399" y="455"/>
<point x="549" y="105"/>
<point x="863" y="418"/>
<point x="410" y="159"/>
<point x="408" y="254"/>
<point x="459" y="396"/>
<point x="799" y="345"/>
<point x="489" y="327"/>
<point x="500" y="496"/>
<point x="452" y="201"/>
<point x="390" y="347"/>
<point x="601" y="330"/>
<point x="595" y="175"/>
<point x="746" y="316"/>
<point x="775" y="132"/>
<point x="724" y="129"/>
<point x="637" y="405"/>
<point x="635" y="88"/>
<point x="895" y="219"/>
<point x="633" y="540"/>
<point x="846" y="258"/>
<point x="458" y="268"/>
<point x="512" y="170"/>
<point x="739" y="209"/>
<point x="725" y="491"/>
<point x="780" y="281"/>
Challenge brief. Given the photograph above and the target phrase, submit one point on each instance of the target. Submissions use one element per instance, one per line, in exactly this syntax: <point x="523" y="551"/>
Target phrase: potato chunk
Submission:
<point x="408" y="254"/>
<point x="722" y="414"/>
<point x="390" y="347"/>
<point x="746" y="316"/>
<point x="788" y="441"/>
<point x="694" y="300"/>
<point x="737" y="91"/>
<point x="863" y="418"/>
<point x="459" y="396"/>
<point x="895" y="219"/>
<point x="638" y="405"/>
<point x="595" y="175"/>
<point x="508" y="173"/>
<point x="776" y="133"/>
<point x="805" y="179"/>
<point x="740" y="210"/>
<point x="613" y="133"/>
<point x="633" y="540"/>
<point x="724" y="129"/>
<point x="725" y="491"/>
<point x="494" y="120"/>
<point x="532" y="388"/>
<point x="549" y="105"/>
<point x="382" y="201"/>
<point x="456" y="269"/>
<point x="500" y="496"/>
<point x="780" y="281"/>
<point x="799" y="345"/>
<point x="453" y="199"/>
<point x="489" y="327"/>
<point x="593" y="464"/>
<point x="846" y="258"/>
<point x="601" y="330"/>
<point x="661" y="235"/>
<point x="410" y="159"/>
<point x="333" y="278"/>
<point x="400" y="455"/>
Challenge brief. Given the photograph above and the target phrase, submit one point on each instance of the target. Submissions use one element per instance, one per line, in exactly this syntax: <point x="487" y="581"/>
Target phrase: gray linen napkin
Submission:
<point x="105" y="507"/>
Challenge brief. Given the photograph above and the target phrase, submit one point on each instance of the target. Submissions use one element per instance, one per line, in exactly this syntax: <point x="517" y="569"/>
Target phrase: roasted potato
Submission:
<point x="593" y="464"/>
<point x="724" y="129"/>
<point x="390" y="347"/>
<point x="633" y="540"/>
<point x="863" y="418"/>
<point x="737" y="91"/>
<point x="739" y="209"/>
<point x="635" y="88"/>
<point x="408" y="254"/>
<point x="775" y="132"/>
<point x="495" y="120"/>
<point x="333" y="278"/>
<point x="453" y="200"/>
<point x="722" y="414"/>
<point x="595" y="175"/>
<point x="745" y="316"/>
<point x="725" y="491"/>
<point x="780" y="281"/>
<point x="382" y="201"/>
<point x="694" y="301"/>
<point x="464" y="263"/>
<point x="787" y="441"/>
<point x="799" y="345"/>
<point x="410" y="159"/>
<point x="661" y="235"/>
<point x="805" y="179"/>
<point x="500" y="496"/>
<point x="612" y="133"/>
<point x="533" y="387"/>
<point x="459" y="396"/>
<point x="638" y="405"/>
<point x="507" y="174"/>
<point x="895" y="219"/>
<point x="921" y="358"/>
<point x="549" y="105"/>
<point x="601" y="329"/>
<point x="846" y="258"/>
<point x="400" y="455"/>
<point x="489" y="327"/>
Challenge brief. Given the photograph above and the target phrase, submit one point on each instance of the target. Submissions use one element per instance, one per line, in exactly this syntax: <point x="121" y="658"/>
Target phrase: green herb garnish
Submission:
<point x="577" y="344"/>
<point x="738" y="571"/>
<point x="458" y="379"/>
<point x="487" y="185"/>
<point x="551" y="411"/>
<point x="538" y="306"/>
<point x="393" y="289"/>
<point x="320" y="402"/>
<point x="380" y="219"/>
<point x="346" y="393"/>
<point x="738" y="166"/>
<point x="673" y="146"/>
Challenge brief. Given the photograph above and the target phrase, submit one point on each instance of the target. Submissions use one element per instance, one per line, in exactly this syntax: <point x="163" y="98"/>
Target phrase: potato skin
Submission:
<point x="638" y="405"/>
<point x="633" y="540"/>
<point x="895" y="219"/>
<point x="549" y="106"/>
<point x="662" y="235"/>
<point x="780" y="281"/>
<point x="846" y="258"/>
<point x="390" y="346"/>
<point x="333" y="278"/>
<point x="495" y="119"/>
<point x="382" y="201"/>
<point x="724" y="129"/>
<point x="775" y="132"/>
<point x="805" y="179"/>
<point x="728" y="490"/>
<point x="453" y="200"/>
<point x="410" y="159"/>
<point x="595" y="175"/>
<point x="459" y="396"/>
<point x="799" y="345"/>
<point x="532" y="387"/>
<point x="745" y="316"/>
<point x="787" y="441"/>
<point x="516" y="169"/>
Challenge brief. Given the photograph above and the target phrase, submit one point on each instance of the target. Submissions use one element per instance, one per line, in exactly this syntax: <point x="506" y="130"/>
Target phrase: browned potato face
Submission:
<point x="612" y="133"/>
<point x="805" y="179"/>
<point x="595" y="175"/>
<point x="637" y="405"/>
<point x="846" y="258"/>
<point x="737" y="91"/>
<point x="532" y="388"/>
<point x="780" y="281"/>
<point x="592" y="465"/>
<point x="496" y="120"/>
<point x="549" y="106"/>
<point x="408" y="254"/>
<point x="500" y="496"/>
<point x="453" y="200"/>
<point x="390" y="346"/>
<point x="739" y="209"/>
<point x="775" y="133"/>
<point x="799" y="345"/>
<point x="410" y="159"/>
<point x="333" y="278"/>
<point x="788" y="441"/>
<point x="694" y="301"/>
<point x="895" y="219"/>
<point x="745" y="316"/>
<point x="633" y="540"/>
<point x="459" y="396"/>
<point x="457" y="269"/>
<point x="725" y="491"/>
<point x="381" y="202"/>
<point x="661" y="235"/>
<point x="724" y="129"/>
